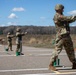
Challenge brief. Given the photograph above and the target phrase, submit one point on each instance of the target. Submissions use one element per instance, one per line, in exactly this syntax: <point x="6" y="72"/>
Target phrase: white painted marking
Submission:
<point x="40" y="74"/>
<point x="56" y="73"/>
<point x="67" y="73"/>
<point x="39" y="50"/>
<point x="24" y="70"/>
<point x="9" y="55"/>
<point x="6" y="55"/>
<point x="45" y="54"/>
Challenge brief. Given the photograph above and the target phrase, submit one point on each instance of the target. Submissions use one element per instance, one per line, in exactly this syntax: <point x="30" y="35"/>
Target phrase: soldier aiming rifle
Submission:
<point x="19" y="35"/>
<point x="9" y="41"/>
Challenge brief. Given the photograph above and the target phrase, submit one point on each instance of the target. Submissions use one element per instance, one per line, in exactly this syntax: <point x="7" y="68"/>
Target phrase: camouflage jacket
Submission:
<point x="62" y="23"/>
<point x="19" y="36"/>
<point x="9" y="38"/>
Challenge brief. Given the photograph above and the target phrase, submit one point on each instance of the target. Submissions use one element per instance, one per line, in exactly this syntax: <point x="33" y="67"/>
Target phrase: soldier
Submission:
<point x="19" y="41"/>
<point x="63" y="36"/>
<point x="9" y="39"/>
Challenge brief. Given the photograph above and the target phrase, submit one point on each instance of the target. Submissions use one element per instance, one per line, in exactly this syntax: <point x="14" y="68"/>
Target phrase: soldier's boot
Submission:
<point x="21" y="54"/>
<point x="17" y="53"/>
<point x="51" y="67"/>
<point x="74" y="66"/>
<point x="10" y="49"/>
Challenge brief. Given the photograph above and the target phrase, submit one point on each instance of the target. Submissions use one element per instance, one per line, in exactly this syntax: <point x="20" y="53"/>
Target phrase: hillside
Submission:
<point x="33" y="29"/>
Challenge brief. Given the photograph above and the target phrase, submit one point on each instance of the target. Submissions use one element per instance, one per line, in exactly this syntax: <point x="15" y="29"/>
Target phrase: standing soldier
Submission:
<point x="63" y="36"/>
<point x="9" y="39"/>
<point x="19" y="41"/>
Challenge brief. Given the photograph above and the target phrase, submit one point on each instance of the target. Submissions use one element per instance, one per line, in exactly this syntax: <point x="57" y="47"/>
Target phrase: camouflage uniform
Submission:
<point x="9" y="39"/>
<point x="63" y="36"/>
<point x="19" y="41"/>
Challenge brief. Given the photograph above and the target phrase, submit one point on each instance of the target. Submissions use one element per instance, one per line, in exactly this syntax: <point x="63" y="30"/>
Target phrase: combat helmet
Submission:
<point x="59" y="6"/>
<point x="18" y="29"/>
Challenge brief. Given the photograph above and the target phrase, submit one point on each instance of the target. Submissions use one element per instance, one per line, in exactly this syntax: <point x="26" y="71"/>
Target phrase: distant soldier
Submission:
<point x="63" y="36"/>
<point x="9" y="40"/>
<point x="19" y="35"/>
<point x="1" y="41"/>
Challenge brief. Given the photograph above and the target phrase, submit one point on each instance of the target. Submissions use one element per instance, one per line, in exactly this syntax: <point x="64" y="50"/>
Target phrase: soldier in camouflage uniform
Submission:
<point x="19" y="41"/>
<point x="9" y="39"/>
<point x="63" y="36"/>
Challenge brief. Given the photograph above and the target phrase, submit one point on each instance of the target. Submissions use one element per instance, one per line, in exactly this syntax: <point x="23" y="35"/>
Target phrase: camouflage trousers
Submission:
<point x="9" y="45"/>
<point x="19" y="47"/>
<point x="67" y="43"/>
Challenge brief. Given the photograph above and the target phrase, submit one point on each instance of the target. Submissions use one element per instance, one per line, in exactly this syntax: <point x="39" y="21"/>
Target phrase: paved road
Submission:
<point x="35" y="61"/>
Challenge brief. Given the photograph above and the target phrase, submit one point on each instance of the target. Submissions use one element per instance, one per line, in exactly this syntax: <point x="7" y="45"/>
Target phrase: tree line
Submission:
<point x="33" y="29"/>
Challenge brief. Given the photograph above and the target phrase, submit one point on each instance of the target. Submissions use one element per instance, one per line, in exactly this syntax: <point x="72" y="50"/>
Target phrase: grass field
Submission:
<point x="38" y="40"/>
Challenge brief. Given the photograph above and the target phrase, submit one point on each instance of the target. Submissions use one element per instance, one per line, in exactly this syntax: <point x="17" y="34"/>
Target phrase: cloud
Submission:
<point x="12" y="15"/>
<point x="72" y="12"/>
<point x="2" y="25"/>
<point x="18" y="9"/>
<point x="11" y="23"/>
<point x="43" y="18"/>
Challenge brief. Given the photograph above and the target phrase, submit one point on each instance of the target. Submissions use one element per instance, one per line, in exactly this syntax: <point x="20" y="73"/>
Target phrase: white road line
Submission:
<point x="32" y="51"/>
<point x="24" y="70"/>
<point x="46" y="54"/>
<point x="35" y="69"/>
<point x="56" y="73"/>
<point x="39" y="50"/>
<point x="66" y="73"/>
<point x="40" y="74"/>
<point x="29" y="54"/>
<point x="7" y="55"/>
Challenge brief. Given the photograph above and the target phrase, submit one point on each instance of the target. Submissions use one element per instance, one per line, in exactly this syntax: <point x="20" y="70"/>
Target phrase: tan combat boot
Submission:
<point x="51" y="67"/>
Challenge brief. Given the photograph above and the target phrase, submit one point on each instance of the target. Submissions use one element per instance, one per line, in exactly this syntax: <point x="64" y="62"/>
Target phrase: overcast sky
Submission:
<point x="33" y="12"/>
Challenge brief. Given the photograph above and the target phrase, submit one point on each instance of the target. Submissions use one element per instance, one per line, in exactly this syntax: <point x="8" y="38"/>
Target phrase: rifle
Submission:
<point x="74" y="17"/>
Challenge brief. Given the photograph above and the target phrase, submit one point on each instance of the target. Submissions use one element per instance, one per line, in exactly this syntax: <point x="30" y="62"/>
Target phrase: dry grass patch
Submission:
<point x="38" y="40"/>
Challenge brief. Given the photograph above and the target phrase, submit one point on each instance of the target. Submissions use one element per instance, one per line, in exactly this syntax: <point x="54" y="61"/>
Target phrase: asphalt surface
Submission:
<point x="35" y="61"/>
